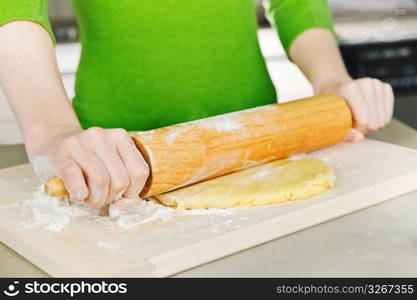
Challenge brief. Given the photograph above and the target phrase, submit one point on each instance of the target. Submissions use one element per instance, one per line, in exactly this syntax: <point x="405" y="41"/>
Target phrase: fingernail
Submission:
<point x="96" y="198"/>
<point x="119" y="195"/>
<point x="73" y="199"/>
<point x="358" y="136"/>
<point x="350" y="136"/>
<point x="104" y="211"/>
<point x="76" y="197"/>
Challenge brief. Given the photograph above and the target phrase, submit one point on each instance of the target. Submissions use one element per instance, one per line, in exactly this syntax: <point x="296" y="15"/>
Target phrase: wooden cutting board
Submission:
<point x="367" y="173"/>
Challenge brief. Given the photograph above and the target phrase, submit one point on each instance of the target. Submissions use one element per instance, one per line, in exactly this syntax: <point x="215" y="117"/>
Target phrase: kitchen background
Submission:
<point x="378" y="38"/>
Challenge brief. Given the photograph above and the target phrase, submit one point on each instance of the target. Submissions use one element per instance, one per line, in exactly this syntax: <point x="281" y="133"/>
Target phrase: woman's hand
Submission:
<point x="97" y="165"/>
<point x="371" y="102"/>
<point x="317" y="54"/>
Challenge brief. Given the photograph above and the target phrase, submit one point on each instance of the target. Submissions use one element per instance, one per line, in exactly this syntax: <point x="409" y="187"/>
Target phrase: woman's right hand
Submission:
<point x="97" y="165"/>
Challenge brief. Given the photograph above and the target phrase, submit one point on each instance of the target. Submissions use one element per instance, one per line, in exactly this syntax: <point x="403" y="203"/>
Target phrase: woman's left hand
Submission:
<point x="371" y="102"/>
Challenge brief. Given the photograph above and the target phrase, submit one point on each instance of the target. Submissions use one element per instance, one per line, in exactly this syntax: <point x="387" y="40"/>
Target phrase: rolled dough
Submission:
<point x="275" y="182"/>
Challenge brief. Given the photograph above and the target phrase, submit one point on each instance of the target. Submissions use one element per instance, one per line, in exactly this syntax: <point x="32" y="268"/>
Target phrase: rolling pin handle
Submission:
<point x="55" y="187"/>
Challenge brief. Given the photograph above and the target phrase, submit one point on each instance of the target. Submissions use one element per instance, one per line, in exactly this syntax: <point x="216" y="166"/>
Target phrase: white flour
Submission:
<point x="55" y="213"/>
<point x="145" y="212"/>
<point x="262" y="174"/>
<point x="171" y="137"/>
<point x="297" y="156"/>
<point x="211" y="211"/>
<point x="221" y="124"/>
<point x="175" y="131"/>
<point x="108" y="246"/>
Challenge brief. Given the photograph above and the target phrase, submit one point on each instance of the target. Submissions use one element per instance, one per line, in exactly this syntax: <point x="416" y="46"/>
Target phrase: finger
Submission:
<point x="354" y="136"/>
<point x="390" y="99"/>
<point x="368" y="95"/>
<point x="379" y="102"/>
<point x="74" y="181"/>
<point x="119" y="178"/>
<point x="123" y="206"/>
<point x="360" y="110"/>
<point x="95" y="173"/>
<point x="135" y="164"/>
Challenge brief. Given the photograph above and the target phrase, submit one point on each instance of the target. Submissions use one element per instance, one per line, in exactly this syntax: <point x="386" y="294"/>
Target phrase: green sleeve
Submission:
<point x="29" y="10"/>
<point x="292" y="17"/>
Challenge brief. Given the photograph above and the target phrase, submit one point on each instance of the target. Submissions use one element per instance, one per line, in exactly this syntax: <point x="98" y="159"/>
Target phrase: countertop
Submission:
<point x="380" y="241"/>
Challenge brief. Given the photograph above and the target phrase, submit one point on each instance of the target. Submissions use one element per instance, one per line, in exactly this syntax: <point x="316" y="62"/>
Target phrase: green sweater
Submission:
<point x="147" y="64"/>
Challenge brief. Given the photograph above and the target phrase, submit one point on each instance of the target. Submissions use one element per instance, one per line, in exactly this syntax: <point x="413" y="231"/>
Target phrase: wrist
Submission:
<point x="40" y="134"/>
<point x="330" y="84"/>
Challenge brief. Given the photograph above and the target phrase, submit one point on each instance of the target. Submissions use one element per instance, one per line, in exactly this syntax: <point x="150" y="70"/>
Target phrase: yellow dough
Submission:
<point x="275" y="182"/>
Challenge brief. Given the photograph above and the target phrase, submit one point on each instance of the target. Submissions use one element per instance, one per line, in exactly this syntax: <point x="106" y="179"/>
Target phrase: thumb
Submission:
<point x="354" y="136"/>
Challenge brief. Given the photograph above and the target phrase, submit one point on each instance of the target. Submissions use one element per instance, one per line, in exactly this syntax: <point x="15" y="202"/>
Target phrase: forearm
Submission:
<point x="30" y="78"/>
<point x="317" y="54"/>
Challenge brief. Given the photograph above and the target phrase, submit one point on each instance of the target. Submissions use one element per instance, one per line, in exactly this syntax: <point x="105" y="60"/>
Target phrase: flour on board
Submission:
<point x="55" y="213"/>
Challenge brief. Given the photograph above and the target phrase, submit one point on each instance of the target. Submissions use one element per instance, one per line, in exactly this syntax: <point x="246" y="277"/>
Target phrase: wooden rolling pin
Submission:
<point x="188" y="153"/>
